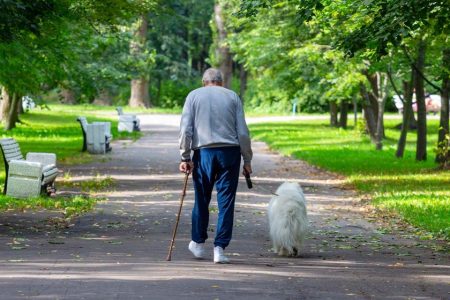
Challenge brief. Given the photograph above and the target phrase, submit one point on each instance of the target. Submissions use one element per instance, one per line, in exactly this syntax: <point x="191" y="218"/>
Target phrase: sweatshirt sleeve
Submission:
<point x="186" y="129"/>
<point x="243" y="133"/>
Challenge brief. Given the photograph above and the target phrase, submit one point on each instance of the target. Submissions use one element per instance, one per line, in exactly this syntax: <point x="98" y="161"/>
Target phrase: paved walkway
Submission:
<point x="118" y="251"/>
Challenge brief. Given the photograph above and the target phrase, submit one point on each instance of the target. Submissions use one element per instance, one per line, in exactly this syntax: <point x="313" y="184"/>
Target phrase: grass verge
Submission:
<point x="416" y="191"/>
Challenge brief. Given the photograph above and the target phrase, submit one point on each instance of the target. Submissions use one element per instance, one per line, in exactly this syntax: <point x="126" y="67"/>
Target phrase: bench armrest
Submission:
<point x="41" y="157"/>
<point x="25" y="168"/>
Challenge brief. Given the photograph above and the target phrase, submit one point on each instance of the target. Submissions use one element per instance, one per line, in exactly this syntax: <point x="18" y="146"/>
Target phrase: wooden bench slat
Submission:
<point x="14" y="157"/>
<point x="10" y="145"/>
<point x="12" y="150"/>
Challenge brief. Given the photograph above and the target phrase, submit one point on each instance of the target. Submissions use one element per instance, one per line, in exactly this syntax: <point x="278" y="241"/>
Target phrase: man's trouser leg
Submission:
<point x="202" y="175"/>
<point x="229" y="161"/>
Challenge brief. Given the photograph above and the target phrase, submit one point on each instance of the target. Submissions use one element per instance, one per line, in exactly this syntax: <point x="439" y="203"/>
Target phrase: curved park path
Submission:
<point x="118" y="250"/>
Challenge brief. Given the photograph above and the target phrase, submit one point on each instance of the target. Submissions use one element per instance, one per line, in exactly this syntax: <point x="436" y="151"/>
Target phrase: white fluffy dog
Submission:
<point x="288" y="220"/>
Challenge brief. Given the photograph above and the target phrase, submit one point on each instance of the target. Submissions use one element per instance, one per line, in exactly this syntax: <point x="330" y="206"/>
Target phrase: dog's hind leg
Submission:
<point x="283" y="252"/>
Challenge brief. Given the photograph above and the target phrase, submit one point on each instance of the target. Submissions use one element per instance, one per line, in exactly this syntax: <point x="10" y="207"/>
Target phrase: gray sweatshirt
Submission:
<point x="213" y="117"/>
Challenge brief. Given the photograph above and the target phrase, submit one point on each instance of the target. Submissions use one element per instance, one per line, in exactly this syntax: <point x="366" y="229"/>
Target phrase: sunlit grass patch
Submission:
<point x="94" y="185"/>
<point x="426" y="209"/>
<point x="417" y="191"/>
<point x="69" y="206"/>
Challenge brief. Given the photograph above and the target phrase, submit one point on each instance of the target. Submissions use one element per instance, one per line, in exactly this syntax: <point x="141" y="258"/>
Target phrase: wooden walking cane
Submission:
<point x="169" y="256"/>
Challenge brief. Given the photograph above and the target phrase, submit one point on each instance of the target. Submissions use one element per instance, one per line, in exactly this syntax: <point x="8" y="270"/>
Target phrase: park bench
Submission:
<point x="128" y="122"/>
<point x="96" y="136"/>
<point x="27" y="177"/>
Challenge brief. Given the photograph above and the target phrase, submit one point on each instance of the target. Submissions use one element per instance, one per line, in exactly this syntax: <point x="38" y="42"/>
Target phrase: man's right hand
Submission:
<point x="186" y="167"/>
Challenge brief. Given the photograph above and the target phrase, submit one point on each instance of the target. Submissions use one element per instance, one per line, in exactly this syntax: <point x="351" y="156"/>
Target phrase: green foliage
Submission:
<point x="290" y="57"/>
<point x="69" y="43"/>
<point x="172" y="93"/>
<point x="19" y="17"/>
<point x="416" y="191"/>
<point x="390" y="22"/>
<point x="180" y="37"/>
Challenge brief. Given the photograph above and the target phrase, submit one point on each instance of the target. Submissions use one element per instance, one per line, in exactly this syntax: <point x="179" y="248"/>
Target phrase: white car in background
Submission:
<point x="432" y="102"/>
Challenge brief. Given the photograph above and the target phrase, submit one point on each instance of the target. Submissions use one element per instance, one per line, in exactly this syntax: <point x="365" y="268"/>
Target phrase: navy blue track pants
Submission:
<point x="219" y="166"/>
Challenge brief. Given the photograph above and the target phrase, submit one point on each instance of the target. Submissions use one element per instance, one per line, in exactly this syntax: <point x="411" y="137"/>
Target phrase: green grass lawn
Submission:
<point x="56" y="130"/>
<point x="417" y="191"/>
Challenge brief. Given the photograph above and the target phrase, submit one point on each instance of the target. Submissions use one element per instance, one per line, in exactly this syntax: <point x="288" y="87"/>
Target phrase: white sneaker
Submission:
<point x="219" y="257"/>
<point x="197" y="249"/>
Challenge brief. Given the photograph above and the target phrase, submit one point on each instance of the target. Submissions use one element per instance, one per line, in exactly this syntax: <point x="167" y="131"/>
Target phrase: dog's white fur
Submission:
<point x="288" y="219"/>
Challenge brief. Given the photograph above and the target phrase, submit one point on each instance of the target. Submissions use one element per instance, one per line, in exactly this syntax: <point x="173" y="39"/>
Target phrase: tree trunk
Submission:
<point x="243" y="82"/>
<point x="223" y="51"/>
<point x="407" y="112"/>
<point x="412" y="118"/>
<point x="373" y="95"/>
<point x="12" y="116"/>
<point x="103" y="98"/>
<point x="139" y="86"/>
<point x="20" y="107"/>
<point x="381" y="101"/>
<point x="421" y="149"/>
<point x="368" y="113"/>
<point x="6" y="103"/>
<point x="333" y="114"/>
<point x="343" y="115"/>
<point x="355" y="111"/>
<point x="442" y="157"/>
<point x="67" y="96"/>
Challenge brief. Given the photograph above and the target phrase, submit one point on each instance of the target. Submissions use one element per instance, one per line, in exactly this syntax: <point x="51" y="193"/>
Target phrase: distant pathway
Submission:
<point x="118" y="251"/>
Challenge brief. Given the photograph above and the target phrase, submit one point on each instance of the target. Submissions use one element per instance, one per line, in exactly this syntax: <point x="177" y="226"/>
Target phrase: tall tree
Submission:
<point x="444" y="133"/>
<point x="40" y="41"/>
<point x="421" y="149"/>
<point x="140" y="84"/>
<point x="406" y="115"/>
<point x="223" y="54"/>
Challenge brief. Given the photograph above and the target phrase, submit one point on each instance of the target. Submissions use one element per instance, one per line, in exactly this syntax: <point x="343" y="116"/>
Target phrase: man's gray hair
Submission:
<point x="212" y="75"/>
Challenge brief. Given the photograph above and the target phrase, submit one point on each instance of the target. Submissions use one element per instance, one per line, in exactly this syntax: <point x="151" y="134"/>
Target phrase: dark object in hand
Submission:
<point x="248" y="180"/>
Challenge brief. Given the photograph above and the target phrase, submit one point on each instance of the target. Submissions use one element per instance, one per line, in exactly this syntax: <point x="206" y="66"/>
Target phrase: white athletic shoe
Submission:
<point x="197" y="249"/>
<point x="219" y="257"/>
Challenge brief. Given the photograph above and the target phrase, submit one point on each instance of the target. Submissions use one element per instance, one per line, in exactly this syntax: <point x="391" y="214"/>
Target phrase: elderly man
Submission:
<point x="214" y="128"/>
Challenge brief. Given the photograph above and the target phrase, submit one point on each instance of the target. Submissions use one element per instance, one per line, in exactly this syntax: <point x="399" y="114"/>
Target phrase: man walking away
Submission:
<point x="213" y="127"/>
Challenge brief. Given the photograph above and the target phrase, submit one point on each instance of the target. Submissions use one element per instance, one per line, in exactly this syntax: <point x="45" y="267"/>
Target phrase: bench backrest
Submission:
<point x="119" y="110"/>
<point x="10" y="150"/>
<point x="83" y="122"/>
